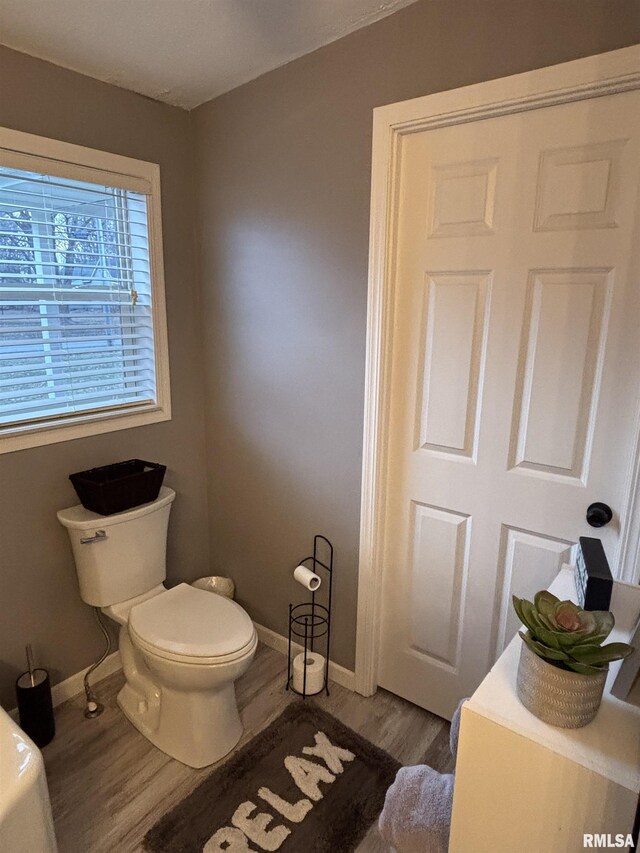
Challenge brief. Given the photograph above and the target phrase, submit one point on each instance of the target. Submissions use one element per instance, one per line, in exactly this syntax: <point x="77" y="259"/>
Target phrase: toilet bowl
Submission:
<point x="182" y="651"/>
<point x="182" y="648"/>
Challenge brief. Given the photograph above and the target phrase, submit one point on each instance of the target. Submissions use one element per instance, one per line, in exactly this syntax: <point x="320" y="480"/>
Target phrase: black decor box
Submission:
<point x="594" y="581"/>
<point x="117" y="487"/>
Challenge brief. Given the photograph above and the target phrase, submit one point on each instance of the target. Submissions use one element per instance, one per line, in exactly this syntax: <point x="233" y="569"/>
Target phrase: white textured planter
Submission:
<point x="565" y="699"/>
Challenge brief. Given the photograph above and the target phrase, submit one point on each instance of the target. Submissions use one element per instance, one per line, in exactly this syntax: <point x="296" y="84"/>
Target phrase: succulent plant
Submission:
<point x="566" y="636"/>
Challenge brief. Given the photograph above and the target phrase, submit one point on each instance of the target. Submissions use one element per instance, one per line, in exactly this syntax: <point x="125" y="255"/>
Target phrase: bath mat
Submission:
<point x="305" y="784"/>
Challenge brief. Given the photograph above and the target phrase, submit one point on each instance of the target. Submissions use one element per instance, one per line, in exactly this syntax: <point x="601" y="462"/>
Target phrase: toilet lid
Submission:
<point x="192" y="623"/>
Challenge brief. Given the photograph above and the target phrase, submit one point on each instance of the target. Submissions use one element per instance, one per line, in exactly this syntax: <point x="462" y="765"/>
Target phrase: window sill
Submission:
<point x="16" y="438"/>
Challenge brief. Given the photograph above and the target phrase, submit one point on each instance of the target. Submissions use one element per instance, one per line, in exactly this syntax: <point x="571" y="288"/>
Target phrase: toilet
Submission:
<point x="182" y="648"/>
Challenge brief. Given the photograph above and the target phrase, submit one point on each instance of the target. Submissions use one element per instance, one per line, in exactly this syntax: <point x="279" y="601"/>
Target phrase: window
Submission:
<point x="82" y="323"/>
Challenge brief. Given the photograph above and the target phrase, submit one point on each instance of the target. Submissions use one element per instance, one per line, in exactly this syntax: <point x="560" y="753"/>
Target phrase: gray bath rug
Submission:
<point x="305" y="784"/>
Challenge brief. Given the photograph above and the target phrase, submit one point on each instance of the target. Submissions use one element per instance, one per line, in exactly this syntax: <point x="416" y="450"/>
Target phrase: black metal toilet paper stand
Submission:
<point x="310" y="621"/>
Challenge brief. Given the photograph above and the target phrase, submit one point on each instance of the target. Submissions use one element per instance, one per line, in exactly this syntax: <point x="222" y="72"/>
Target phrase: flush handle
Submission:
<point x="99" y="536"/>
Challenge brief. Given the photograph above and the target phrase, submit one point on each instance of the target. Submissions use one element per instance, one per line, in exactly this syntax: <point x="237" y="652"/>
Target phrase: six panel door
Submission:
<point x="514" y="376"/>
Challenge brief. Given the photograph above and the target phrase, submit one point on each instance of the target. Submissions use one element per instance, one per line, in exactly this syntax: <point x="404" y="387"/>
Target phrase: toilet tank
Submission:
<point x="122" y="555"/>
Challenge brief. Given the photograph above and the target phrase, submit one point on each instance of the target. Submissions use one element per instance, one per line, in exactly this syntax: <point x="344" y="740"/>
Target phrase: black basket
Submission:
<point x="123" y="485"/>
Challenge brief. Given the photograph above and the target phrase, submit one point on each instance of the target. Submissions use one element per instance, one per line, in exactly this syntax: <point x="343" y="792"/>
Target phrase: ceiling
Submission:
<point x="184" y="52"/>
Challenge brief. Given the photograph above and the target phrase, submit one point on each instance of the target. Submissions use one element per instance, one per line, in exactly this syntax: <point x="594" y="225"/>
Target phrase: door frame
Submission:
<point x="592" y="77"/>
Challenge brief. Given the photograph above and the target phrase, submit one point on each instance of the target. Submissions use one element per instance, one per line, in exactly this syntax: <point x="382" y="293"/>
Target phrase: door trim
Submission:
<point x="595" y="76"/>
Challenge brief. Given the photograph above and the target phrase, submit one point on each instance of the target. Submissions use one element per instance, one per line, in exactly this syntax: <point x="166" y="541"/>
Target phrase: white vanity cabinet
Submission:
<point x="523" y="786"/>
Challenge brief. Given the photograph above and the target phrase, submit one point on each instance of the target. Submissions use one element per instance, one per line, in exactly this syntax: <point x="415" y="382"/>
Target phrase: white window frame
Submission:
<point x="18" y="150"/>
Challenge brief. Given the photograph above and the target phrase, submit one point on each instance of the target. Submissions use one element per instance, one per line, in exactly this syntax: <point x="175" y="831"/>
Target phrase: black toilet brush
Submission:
<point x="35" y="706"/>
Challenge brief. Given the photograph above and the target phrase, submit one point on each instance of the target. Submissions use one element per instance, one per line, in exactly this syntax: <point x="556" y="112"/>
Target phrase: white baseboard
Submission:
<point x="340" y="674"/>
<point x="73" y="685"/>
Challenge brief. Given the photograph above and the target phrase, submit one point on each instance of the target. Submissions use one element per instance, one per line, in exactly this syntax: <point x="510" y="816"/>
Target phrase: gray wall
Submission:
<point x="283" y="200"/>
<point x="283" y="169"/>
<point x="39" y="600"/>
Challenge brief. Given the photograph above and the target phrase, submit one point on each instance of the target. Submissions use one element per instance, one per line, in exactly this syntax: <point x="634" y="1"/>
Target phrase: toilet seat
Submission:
<point x="150" y="649"/>
<point x="192" y="626"/>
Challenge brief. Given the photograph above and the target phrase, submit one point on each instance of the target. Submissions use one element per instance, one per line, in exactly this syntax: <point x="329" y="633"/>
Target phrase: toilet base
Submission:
<point x="197" y="729"/>
<point x="188" y="712"/>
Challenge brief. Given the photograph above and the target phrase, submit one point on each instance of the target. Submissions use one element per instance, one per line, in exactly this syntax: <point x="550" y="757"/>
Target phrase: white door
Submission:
<point x="514" y="376"/>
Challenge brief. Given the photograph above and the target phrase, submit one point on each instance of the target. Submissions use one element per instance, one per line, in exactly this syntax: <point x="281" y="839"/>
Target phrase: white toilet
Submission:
<point x="182" y="648"/>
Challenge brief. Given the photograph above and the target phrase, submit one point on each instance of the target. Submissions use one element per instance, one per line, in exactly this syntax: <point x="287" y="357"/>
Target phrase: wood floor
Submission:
<point x="109" y="785"/>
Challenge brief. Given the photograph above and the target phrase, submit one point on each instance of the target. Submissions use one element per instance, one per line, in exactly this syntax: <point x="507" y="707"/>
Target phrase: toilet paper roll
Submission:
<point x="315" y="672"/>
<point x="309" y="580"/>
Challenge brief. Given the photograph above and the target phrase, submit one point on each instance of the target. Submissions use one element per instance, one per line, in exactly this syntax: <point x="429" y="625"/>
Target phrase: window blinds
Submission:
<point x="76" y="325"/>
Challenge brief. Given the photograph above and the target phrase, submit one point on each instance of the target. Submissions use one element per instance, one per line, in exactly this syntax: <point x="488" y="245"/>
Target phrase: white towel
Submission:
<point x="416" y="817"/>
<point x="454" y="731"/>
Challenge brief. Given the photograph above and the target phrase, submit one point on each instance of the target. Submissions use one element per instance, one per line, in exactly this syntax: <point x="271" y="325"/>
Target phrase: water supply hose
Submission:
<point x="94" y="708"/>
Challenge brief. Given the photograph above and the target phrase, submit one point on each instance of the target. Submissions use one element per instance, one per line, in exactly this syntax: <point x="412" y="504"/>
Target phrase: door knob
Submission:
<point x="599" y="514"/>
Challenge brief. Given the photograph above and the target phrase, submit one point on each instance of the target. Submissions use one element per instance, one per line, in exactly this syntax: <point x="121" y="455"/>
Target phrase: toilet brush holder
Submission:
<point x="35" y="707"/>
